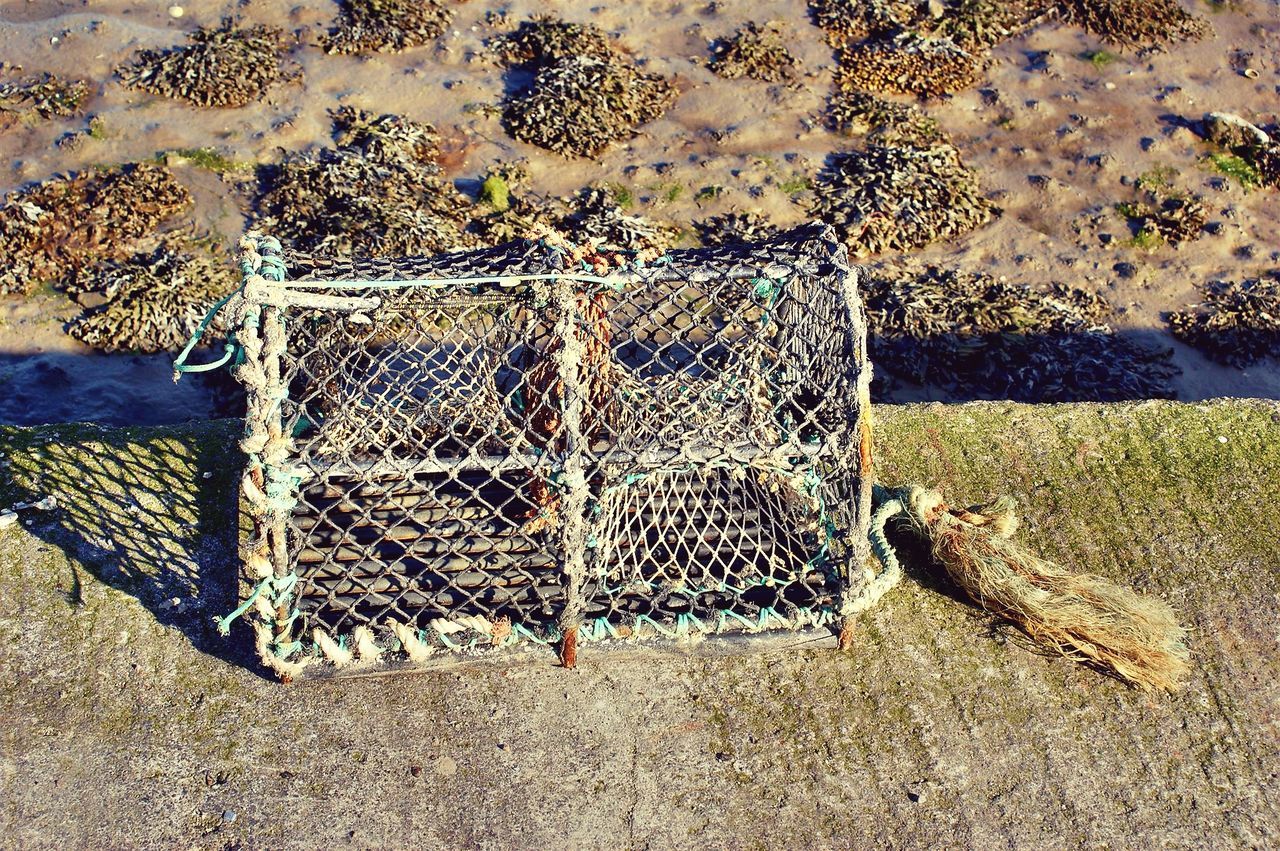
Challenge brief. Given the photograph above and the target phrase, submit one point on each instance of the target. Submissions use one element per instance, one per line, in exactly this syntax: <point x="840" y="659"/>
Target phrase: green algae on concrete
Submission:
<point x="129" y="723"/>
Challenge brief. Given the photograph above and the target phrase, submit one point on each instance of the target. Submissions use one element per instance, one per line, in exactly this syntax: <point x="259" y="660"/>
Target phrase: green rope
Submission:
<point x="281" y="586"/>
<point x="180" y="365"/>
<point x="889" y="507"/>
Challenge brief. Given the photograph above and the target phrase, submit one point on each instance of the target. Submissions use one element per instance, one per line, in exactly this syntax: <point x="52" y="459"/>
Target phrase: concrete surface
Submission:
<point x="129" y="723"/>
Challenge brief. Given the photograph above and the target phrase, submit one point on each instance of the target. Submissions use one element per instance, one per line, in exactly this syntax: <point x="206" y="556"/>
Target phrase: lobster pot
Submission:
<point x="537" y="445"/>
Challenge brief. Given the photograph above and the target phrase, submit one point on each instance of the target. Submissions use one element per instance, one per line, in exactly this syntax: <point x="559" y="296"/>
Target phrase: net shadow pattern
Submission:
<point x="680" y="449"/>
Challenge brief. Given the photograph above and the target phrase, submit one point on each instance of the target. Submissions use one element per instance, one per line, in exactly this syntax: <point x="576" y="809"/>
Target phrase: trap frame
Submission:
<point x="542" y="444"/>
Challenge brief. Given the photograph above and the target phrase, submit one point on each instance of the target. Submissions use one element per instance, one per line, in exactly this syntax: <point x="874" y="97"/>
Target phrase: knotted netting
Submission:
<point x="546" y="444"/>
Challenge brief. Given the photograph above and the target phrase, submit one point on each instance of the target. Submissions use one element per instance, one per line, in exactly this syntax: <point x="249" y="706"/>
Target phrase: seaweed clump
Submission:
<point x="1237" y="324"/>
<point x="909" y="64"/>
<point x="585" y="95"/>
<point x="379" y="191"/>
<point x="223" y="66"/>
<point x="979" y="25"/>
<point x="46" y="95"/>
<point x="150" y="302"/>
<point x="754" y="51"/>
<point x="1135" y="23"/>
<point x="386" y="26"/>
<point x="735" y="228"/>
<point x="849" y="21"/>
<point x="544" y="40"/>
<point x="885" y="122"/>
<point x="57" y="228"/>
<point x="895" y="198"/>
<point x="983" y="338"/>
<point x="1158" y="219"/>
<point x="593" y="215"/>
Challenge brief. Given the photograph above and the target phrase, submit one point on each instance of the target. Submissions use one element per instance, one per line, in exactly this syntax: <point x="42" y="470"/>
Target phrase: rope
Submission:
<point x="180" y="365"/>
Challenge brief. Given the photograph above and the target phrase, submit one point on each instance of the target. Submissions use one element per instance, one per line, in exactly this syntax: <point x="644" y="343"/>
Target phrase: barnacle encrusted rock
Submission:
<point x="151" y="302"/>
<point x="992" y="339"/>
<point x="580" y="105"/>
<point x="908" y="64"/>
<point x="1237" y="324"/>
<point x="894" y="198"/>
<point x="380" y="191"/>
<point x="734" y="228"/>
<point x="1136" y="23"/>
<point x="755" y="51"/>
<point x="386" y="26"/>
<point x="53" y="229"/>
<point x="45" y="95"/>
<point x="883" y="121"/>
<point x="223" y="66"/>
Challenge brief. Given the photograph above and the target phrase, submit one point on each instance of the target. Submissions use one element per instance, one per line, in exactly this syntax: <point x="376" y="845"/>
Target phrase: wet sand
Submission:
<point x="1050" y="134"/>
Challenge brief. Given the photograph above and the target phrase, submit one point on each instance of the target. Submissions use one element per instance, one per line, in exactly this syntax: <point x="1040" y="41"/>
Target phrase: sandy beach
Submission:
<point x="1055" y="138"/>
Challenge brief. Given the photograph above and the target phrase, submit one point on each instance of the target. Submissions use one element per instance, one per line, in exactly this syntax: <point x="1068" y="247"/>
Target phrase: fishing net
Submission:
<point x="538" y="444"/>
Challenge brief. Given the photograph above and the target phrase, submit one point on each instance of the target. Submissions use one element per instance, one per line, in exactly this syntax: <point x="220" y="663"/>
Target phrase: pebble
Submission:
<point x="228" y="816"/>
<point x="446" y="766"/>
<point x="176" y="11"/>
<point x="8" y="518"/>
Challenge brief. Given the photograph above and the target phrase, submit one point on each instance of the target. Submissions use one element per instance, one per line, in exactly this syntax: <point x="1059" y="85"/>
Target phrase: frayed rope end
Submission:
<point x="1084" y="617"/>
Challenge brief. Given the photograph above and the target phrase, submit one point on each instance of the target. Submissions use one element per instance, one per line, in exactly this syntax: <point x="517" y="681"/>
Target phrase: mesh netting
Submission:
<point x="518" y="445"/>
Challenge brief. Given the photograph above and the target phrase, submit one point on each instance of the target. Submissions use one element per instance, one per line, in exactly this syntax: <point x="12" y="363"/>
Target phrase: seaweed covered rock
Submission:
<point x="223" y="66"/>
<point x="45" y="95"/>
<point x="883" y="121"/>
<point x="734" y="228"/>
<point x="984" y="338"/>
<point x="386" y="26"/>
<point x="1237" y="324"/>
<point x="149" y="302"/>
<point x="51" y="230"/>
<point x="544" y="40"/>
<point x="908" y="64"/>
<point x="974" y="25"/>
<point x="579" y="106"/>
<point x="1135" y="23"/>
<point x="379" y="191"/>
<point x="977" y="25"/>
<point x="1172" y="220"/>
<point x="894" y="198"/>
<point x="585" y="94"/>
<point x="1258" y="147"/>
<point x="594" y="216"/>
<point x="1229" y="130"/>
<point x="849" y="21"/>
<point x="754" y="51"/>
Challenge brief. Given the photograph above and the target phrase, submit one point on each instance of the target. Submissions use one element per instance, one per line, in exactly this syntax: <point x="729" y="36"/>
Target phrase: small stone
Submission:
<point x="446" y="766"/>
<point x="8" y="518"/>
<point x="415" y="770"/>
<point x="228" y="816"/>
<point x="176" y="11"/>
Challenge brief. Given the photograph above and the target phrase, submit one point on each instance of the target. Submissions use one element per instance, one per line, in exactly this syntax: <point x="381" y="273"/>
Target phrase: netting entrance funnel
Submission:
<point x="542" y="445"/>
